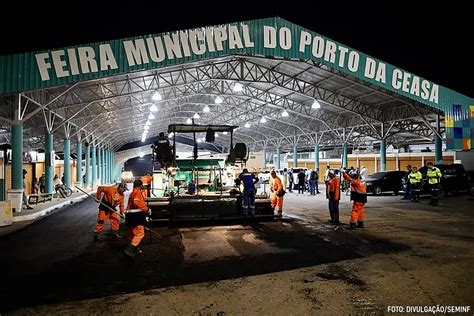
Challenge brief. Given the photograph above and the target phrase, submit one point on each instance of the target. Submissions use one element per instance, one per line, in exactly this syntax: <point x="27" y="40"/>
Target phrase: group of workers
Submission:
<point x="112" y="196"/>
<point x="413" y="183"/>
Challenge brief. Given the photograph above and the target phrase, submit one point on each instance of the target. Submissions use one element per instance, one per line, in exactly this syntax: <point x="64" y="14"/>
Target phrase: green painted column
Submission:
<point x="264" y="158"/>
<point x="48" y="163"/>
<point x="88" y="166"/>
<point x="278" y="158"/>
<point x="383" y="155"/>
<point x="99" y="165"/>
<point x="17" y="157"/>
<point x="344" y="155"/>
<point x="295" y="157"/>
<point x="102" y="168"/>
<point x="94" y="166"/>
<point x="109" y="162"/>
<point x="67" y="163"/>
<point x="79" y="164"/>
<point x="316" y="156"/>
<point x="438" y="150"/>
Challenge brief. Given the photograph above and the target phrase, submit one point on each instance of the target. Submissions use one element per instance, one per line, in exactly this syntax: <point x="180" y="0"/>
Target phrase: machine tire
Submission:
<point x="377" y="190"/>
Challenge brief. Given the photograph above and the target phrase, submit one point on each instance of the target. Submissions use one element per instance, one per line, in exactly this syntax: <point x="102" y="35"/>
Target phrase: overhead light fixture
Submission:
<point x="224" y="133"/>
<point x="156" y="96"/>
<point x="141" y="154"/>
<point x="263" y="119"/>
<point x="315" y="105"/>
<point x="148" y="123"/>
<point x="189" y="121"/>
<point x="284" y="113"/>
<point x="237" y="87"/>
<point x="143" y="138"/>
<point x="170" y="135"/>
<point x="196" y="116"/>
<point x="218" y="100"/>
<point x="151" y="116"/>
<point x="153" y="108"/>
<point x="247" y="125"/>
<point x="146" y="127"/>
<point x="216" y="134"/>
<point x="199" y="140"/>
<point x="206" y="109"/>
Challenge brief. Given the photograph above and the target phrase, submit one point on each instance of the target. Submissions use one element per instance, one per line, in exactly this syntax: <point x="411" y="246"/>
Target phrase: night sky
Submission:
<point x="431" y="42"/>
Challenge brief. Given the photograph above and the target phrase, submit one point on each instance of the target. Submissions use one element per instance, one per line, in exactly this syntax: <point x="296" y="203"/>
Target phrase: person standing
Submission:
<point x="25" y="199"/>
<point x="312" y="182"/>
<point x="334" y="190"/>
<point x="407" y="195"/>
<point x="317" y="180"/>
<point x="278" y="193"/>
<point x="110" y="197"/>
<point x="136" y="203"/>
<point x="359" y="196"/>
<point x="146" y="180"/>
<point x="41" y="183"/>
<point x="433" y="175"/>
<point x="290" y="180"/>
<point x="301" y="181"/>
<point x="364" y="173"/>
<point x="248" y="196"/>
<point x="285" y="178"/>
<point x="415" y="182"/>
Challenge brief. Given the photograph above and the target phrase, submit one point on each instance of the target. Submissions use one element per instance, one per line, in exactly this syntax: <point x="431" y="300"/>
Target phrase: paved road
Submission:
<point x="56" y="260"/>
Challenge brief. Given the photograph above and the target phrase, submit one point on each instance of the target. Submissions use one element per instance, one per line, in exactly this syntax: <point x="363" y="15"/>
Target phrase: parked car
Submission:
<point x="295" y="177"/>
<point x="385" y="181"/>
<point x="454" y="179"/>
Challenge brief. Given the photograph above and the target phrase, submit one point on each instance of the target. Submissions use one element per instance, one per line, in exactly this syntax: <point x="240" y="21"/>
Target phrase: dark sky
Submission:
<point x="428" y="40"/>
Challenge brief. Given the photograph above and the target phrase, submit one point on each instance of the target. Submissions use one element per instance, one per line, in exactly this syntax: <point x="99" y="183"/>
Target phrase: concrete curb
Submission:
<point x="29" y="217"/>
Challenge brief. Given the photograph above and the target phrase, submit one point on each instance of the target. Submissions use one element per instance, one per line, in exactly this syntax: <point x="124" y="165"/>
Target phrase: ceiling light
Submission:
<point x="143" y="138"/>
<point x="151" y="116"/>
<point x="224" y="133"/>
<point x="189" y="121"/>
<point x="238" y="87"/>
<point x="140" y="154"/>
<point x="199" y="140"/>
<point x="218" y="100"/>
<point x="148" y="123"/>
<point x="196" y="116"/>
<point x="216" y="135"/>
<point x="315" y="105"/>
<point x="263" y="120"/>
<point x="206" y="109"/>
<point x="153" y="108"/>
<point x="247" y="125"/>
<point x="170" y="135"/>
<point x="146" y="127"/>
<point x="156" y="96"/>
<point x="284" y="113"/>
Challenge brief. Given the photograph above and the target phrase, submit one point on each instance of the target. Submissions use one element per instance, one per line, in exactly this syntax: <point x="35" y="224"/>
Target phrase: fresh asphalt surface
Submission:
<point x="55" y="260"/>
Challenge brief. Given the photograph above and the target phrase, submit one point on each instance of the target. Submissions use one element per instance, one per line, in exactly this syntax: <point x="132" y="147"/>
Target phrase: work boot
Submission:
<point x="116" y="235"/>
<point x="280" y="213"/>
<point x="352" y="225"/>
<point x="130" y="251"/>
<point x="360" y="224"/>
<point x="96" y="236"/>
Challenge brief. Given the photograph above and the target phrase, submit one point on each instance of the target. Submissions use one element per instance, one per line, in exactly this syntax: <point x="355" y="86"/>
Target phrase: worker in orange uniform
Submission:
<point x="334" y="194"/>
<point x="147" y="179"/>
<point x="110" y="197"/>
<point x="278" y="193"/>
<point x="136" y="203"/>
<point x="359" y="196"/>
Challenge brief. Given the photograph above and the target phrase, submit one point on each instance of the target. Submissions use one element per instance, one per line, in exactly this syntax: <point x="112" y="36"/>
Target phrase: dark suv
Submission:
<point x="385" y="181"/>
<point x="454" y="178"/>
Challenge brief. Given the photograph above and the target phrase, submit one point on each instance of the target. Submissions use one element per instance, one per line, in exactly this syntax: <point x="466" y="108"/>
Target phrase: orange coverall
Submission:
<point x="357" y="214"/>
<point x="112" y="197"/>
<point x="276" y="200"/>
<point x="146" y="180"/>
<point x="136" y="201"/>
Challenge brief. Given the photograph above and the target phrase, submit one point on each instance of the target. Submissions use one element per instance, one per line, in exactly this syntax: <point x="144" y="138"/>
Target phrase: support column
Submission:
<point x="67" y="163"/>
<point x="17" y="157"/>
<point x="344" y="155"/>
<point x="88" y="166"/>
<point x="264" y="158"/>
<point x="278" y="159"/>
<point x="438" y="150"/>
<point x="49" y="163"/>
<point x="100" y="179"/>
<point x="107" y="169"/>
<point x="102" y="169"/>
<point x="94" y="166"/>
<point x="79" y="164"/>
<point x="295" y="157"/>
<point x="316" y="156"/>
<point x="383" y="155"/>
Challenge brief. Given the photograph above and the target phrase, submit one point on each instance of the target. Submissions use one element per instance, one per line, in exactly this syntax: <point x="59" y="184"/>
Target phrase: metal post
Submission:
<point x="79" y="164"/>
<point x="278" y="158"/>
<point x="106" y="166"/>
<point x="316" y="156"/>
<point x="49" y="163"/>
<point x="344" y="155"/>
<point x="17" y="157"/>
<point x="67" y="163"/>
<point x="94" y="166"/>
<point x="99" y="166"/>
<point x="88" y="166"/>
<point x="295" y="157"/>
<point x="383" y="155"/>
<point x="264" y="159"/>
<point x="438" y="144"/>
